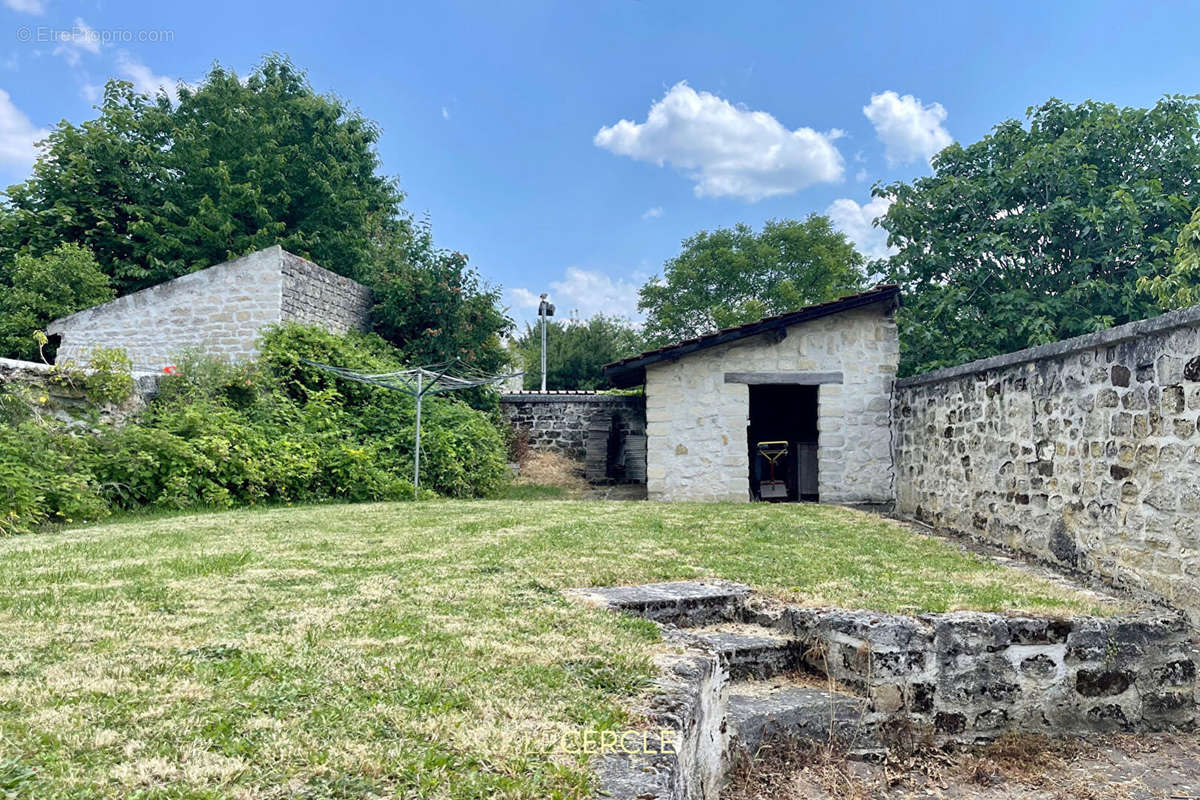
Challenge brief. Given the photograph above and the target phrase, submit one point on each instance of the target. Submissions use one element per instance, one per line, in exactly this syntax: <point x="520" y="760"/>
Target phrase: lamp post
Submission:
<point x="545" y="309"/>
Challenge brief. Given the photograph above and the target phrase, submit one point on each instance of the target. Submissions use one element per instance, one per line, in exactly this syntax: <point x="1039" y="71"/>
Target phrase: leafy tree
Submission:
<point x="1041" y="232"/>
<point x="157" y="189"/>
<point x="733" y="275"/>
<point x="575" y="351"/>
<point x="1180" y="287"/>
<point x="35" y="290"/>
<point x="434" y="307"/>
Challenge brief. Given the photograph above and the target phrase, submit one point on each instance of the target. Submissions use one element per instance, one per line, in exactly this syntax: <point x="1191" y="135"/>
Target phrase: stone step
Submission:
<point x="760" y="712"/>
<point x="682" y="603"/>
<point x="749" y="651"/>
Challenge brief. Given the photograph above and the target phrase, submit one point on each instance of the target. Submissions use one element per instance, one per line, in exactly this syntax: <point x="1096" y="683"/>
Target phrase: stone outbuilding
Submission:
<point x="220" y="311"/>
<point x="819" y="379"/>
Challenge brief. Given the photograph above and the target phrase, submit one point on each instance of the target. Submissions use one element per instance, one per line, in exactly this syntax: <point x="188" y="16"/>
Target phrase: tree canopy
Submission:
<point x="1041" y="232"/>
<point x="575" y="351"/>
<point x="733" y="275"/>
<point x="154" y="189"/>
<point x="1180" y="287"/>
<point x="157" y="189"/>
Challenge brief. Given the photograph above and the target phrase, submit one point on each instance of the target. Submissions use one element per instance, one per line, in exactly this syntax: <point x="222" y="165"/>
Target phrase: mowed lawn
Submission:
<point x="393" y="650"/>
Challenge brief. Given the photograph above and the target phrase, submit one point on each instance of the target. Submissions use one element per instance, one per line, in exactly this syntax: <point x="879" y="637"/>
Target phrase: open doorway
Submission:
<point x="784" y="413"/>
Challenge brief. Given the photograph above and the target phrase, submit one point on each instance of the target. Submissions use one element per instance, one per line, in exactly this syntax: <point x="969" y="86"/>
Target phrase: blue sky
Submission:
<point x="570" y="147"/>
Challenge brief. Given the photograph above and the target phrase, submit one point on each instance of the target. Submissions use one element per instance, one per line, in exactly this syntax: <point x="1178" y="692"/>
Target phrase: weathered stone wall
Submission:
<point x="1085" y="453"/>
<point x="50" y="392"/>
<point x="970" y="676"/>
<point x="315" y="296"/>
<point x="579" y="426"/>
<point x="219" y="311"/>
<point x="696" y="421"/>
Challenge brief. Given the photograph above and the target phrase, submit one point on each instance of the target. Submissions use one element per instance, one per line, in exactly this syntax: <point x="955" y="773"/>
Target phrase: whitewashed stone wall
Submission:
<point x="696" y="422"/>
<point x="220" y="311"/>
<point x="1085" y="453"/>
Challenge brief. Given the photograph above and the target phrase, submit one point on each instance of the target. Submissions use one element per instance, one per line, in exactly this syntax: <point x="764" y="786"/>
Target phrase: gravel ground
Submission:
<point x="1147" y="767"/>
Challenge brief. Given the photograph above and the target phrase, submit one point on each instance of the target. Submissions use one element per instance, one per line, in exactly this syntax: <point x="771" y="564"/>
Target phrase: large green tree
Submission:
<point x="156" y="189"/>
<point x="36" y="289"/>
<point x="733" y="275"/>
<point x="575" y="351"/>
<point x="1041" y="231"/>
<point x="1180" y="287"/>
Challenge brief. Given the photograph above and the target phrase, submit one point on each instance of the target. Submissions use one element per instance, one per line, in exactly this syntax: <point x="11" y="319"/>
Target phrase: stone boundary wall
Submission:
<point x="580" y="425"/>
<point x="970" y="676"/>
<point x="315" y="296"/>
<point x="1084" y="453"/>
<point x="219" y="311"/>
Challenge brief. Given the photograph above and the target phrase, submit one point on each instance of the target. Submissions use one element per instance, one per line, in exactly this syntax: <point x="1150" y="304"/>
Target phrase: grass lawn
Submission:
<point x="393" y="650"/>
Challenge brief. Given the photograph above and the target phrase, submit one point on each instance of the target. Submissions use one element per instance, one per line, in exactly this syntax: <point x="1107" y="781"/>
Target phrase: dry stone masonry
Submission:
<point x="1084" y="453"/>
<point x="749" y="673"/>
<point x="220" y="311"/>
<point x="607" y="432"/>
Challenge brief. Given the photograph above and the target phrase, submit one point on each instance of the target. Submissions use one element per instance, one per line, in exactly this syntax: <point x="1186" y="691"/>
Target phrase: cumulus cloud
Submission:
<point x="725" y="150"/>
<point x="81" y="39"/>
<point x="27" y="6"/>
<point x="587" y="291"/>
<point x="652" y="213"/>
<point x="856" y="221"/>
<point x="17" y="135"/>
<point x="909" y="129"/>
<point x="144" y="79"/>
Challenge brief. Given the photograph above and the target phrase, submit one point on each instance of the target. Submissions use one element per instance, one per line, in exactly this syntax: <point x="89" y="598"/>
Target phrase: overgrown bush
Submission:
<point x="273" y="431"/>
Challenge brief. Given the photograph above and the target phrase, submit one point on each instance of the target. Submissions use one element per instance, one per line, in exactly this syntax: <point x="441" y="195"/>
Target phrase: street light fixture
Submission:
<point x="545" y="309"/>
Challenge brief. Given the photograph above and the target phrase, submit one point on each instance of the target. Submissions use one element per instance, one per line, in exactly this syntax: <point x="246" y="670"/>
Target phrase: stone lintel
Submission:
<point x="800" y="378"/>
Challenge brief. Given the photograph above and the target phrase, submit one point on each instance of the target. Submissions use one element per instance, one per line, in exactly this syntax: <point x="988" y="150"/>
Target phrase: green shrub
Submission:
<point x="273" y="431"/>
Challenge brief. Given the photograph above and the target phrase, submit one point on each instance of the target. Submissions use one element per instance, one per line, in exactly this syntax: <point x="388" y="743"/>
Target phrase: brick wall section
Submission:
<point x="220" y="311"/>
<point x="1084" y="453"/>
<point x="578" y="425"/>
<point x="316" y="296"/>
<point x="696" y="422"/>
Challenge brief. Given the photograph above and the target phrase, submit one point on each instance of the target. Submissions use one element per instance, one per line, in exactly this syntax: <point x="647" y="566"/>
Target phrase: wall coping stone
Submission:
<point x="1090" y="341"/>
<point x="581" y="397"/>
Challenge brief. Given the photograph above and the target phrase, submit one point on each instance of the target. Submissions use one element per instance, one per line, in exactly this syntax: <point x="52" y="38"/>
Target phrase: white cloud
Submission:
<point x="587" y="291"/>
<point x="445" y="113"/>
<point x="82" y="38"/>
<point x="27" y="6"/>
<point x="143" y="78"/>
<point x="910" y="130"/>
<point x="856" y="222"/>
<point x="652" y="213"/>
<point x="17" y="134"/>
<point x="727" y="151"/>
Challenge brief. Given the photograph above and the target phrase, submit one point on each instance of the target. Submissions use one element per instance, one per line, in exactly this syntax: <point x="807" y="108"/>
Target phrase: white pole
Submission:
<point x="542" y="314"/>
<point x="417" y="452"/>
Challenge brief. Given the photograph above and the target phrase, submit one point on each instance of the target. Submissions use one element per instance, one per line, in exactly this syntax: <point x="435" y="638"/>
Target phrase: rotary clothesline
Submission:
<point x="443" y="378"/>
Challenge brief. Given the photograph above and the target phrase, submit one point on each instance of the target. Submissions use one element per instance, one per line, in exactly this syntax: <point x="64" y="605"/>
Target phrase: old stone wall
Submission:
<point x="970" y="676"/>
<point x="315" y="296"/>
<point x="53" y="393"/>
<point x="1084" y="453"/>
<point x="696" y="420"/>
<point x="220" y="311"/>
<point x="597" y="429"/>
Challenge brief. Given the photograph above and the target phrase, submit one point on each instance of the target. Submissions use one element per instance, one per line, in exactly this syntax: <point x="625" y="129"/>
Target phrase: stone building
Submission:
<point x="220" y="311"/>
<point x="819" y="379"/>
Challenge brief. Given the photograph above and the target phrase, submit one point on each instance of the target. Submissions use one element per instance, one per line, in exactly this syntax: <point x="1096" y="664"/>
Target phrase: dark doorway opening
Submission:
<point x="784" y="413"/>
